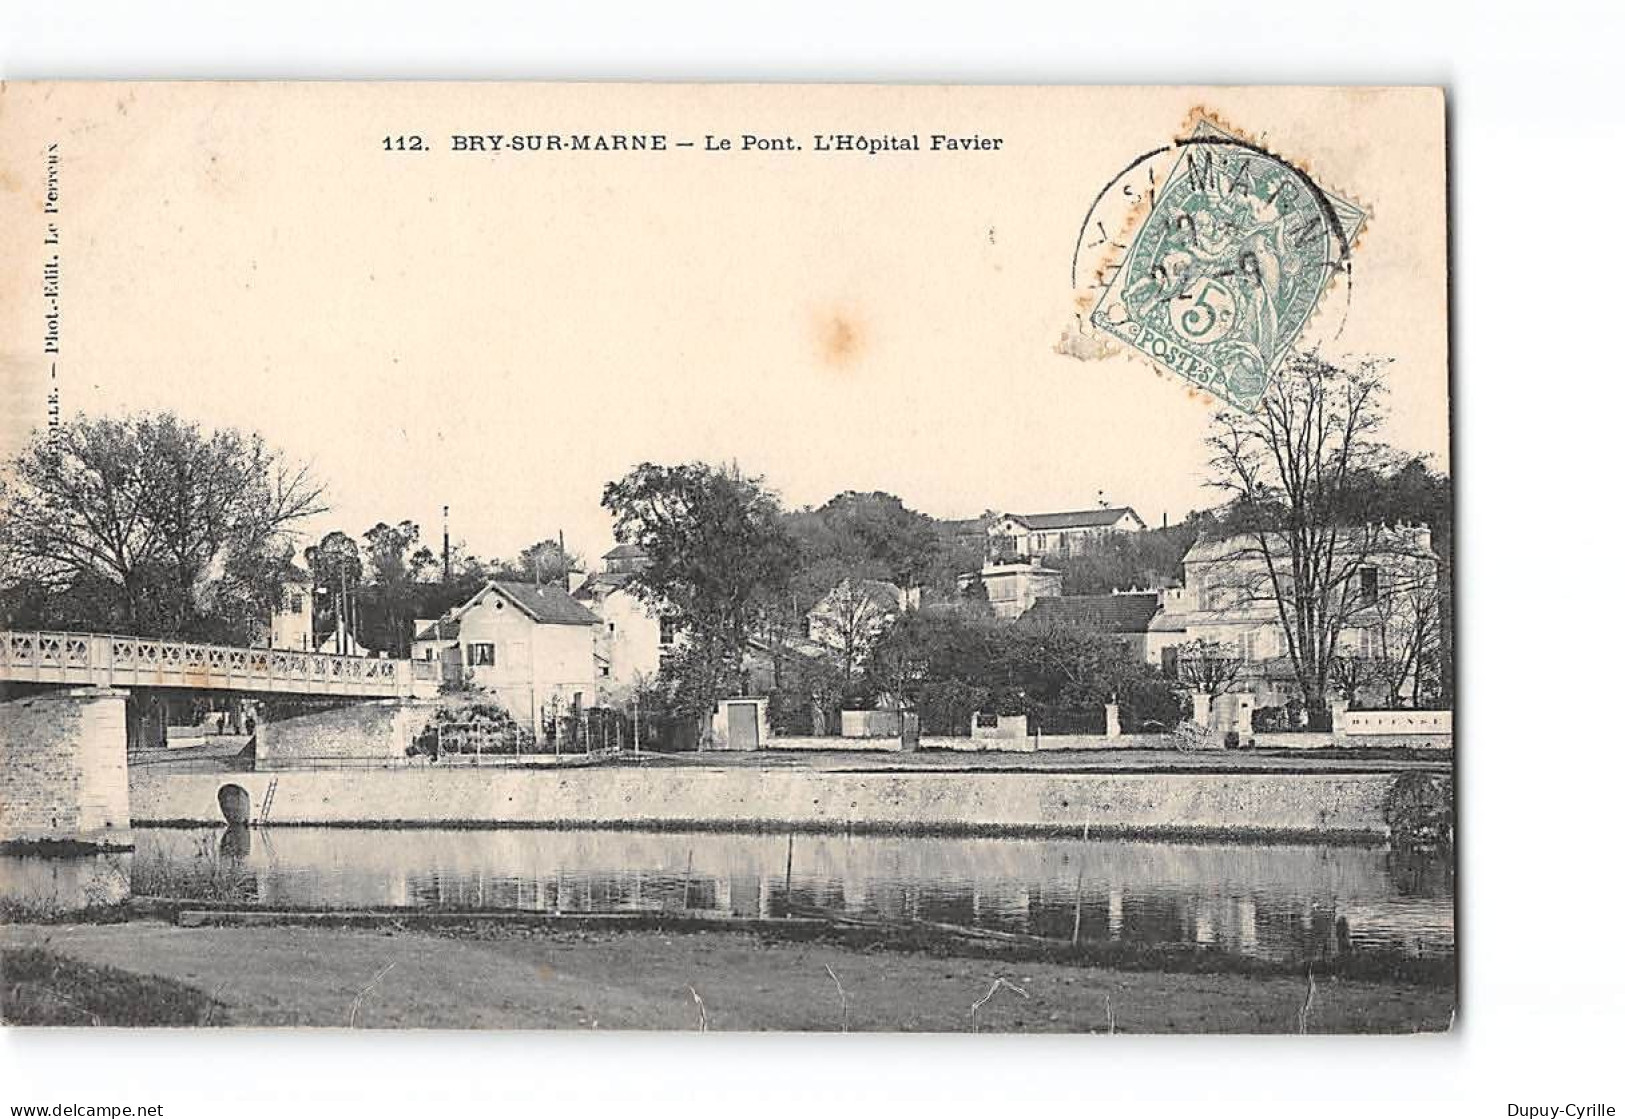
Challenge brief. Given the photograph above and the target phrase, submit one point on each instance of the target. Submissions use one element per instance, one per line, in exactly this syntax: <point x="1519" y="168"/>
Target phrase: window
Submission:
<point x="1207" y="595"/>
<point x="668" y="631"/>
<point x="603" y="670"/>
<point x="612" y="627"/>
<point x="1368" y="586"/>
<point x="482" y="654"/>
<point x="296" y="603"/>
<point x="1255" y="645"/>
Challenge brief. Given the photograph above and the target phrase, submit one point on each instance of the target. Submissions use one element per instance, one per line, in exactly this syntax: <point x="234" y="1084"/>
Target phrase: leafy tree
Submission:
<point x="949" y="664"/>
<point x="151" y="525"/>
<point x="547" y="561"/>
<point x="1121" y="560"/>
<point x="396" y="565"/>
<point x="335" y="566"/>
<point x="719" y="557"/>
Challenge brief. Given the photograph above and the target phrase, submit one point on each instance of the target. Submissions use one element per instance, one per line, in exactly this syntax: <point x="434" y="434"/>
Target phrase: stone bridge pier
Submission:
<point x="64" y="775"/>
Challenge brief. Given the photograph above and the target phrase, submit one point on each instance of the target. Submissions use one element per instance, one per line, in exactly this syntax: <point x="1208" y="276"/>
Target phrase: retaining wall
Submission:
<point x="378" y="730"/>
<point x="979" y="745"/>
<point x="63" y="773"/>
<point x="692" y="796"/>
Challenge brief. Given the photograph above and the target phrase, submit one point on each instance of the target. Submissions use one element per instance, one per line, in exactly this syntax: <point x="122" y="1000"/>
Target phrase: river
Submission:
<point x="1281" y="902"/>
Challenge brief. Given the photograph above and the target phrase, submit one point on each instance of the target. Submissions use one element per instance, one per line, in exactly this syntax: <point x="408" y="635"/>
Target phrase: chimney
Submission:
<point x="445" y="544"/>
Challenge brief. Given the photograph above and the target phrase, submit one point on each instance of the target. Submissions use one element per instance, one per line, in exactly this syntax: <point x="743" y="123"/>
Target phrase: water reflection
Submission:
<point x="1281" y="902"/>
<point x="33" y="886"/>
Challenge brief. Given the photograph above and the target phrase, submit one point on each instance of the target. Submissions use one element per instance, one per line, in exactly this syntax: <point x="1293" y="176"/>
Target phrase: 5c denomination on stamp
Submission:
<point x="1216" y="270"/>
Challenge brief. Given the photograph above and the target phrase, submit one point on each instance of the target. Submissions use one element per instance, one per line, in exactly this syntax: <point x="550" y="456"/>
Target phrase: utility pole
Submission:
<point x="445" y="545"/>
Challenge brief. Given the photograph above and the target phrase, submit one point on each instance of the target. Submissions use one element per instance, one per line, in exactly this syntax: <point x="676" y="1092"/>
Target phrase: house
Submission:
<point x="435" y="640"/>
<point x="1013" y="587"/>
<point x="629" y="635"/>
<point x="531" y="646"/>
<point x="1384" y="584"/>
<point x="1032" y="535"/>
<point x="293" y="622"/>
<point x="1125" y="615"/>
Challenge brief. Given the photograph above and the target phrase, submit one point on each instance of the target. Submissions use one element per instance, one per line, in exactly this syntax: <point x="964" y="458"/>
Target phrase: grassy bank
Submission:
<point x="39" y="987"/>
<point x="526" y="978"/>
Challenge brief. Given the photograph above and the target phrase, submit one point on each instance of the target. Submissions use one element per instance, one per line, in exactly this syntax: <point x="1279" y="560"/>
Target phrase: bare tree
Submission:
<point x="1298" y="541"/>
<point x="1211" y="667"/>
<point x="850" y="619"/>
<point x="1408" y="634"/>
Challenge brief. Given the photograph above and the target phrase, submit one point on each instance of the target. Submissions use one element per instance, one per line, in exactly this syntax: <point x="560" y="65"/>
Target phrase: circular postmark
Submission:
<point x="1209" y="257"/>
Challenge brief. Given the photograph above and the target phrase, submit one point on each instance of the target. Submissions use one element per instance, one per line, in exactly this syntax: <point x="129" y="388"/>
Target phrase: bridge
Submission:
<point x="115" y="661"/>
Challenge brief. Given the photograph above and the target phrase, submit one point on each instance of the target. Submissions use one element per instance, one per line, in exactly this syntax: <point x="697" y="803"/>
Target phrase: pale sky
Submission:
<point x="504" y="334"/>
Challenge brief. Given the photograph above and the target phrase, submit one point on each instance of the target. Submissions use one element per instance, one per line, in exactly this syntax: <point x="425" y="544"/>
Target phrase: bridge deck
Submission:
<point x="111" y="660"/>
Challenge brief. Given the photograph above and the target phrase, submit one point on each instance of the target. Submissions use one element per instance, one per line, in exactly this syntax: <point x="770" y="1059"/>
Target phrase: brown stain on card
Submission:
<point x="842" y="336"/>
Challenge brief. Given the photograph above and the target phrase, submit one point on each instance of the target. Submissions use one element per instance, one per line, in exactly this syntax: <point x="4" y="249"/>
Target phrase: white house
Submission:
<point x="1013" y="587"/>
<point x="531" y="646"/>
<point x="435" y="640"/>
<point x="1383" y="586"/>
<point x="1030" y="535"/>
<point x="292" y="623"/>
<point x="630" y="636"/>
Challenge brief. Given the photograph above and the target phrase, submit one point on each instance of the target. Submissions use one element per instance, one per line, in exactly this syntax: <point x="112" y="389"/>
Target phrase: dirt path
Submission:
<point x="650" y="980"/>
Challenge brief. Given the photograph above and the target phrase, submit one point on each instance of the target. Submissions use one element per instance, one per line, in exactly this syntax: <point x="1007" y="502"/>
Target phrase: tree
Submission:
<point x="335" y="567"/>
<point x="1299" y="538"/>
<point x="1210" y="667"/>
<point x="151" y="525"/>
<point x="396" y="567"/>
<point x="851" y="618"/>
<point x="1410" y="638"/>
<point x="1352" y="672"/>
<point x="547" y="561"/>
<point x="719" y="557"/>
<point x="1121" y="560"/>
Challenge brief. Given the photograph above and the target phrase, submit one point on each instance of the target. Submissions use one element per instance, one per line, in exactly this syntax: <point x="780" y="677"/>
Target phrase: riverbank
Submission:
<point x="650" y="979"/>
<point x="1324" y="801"/>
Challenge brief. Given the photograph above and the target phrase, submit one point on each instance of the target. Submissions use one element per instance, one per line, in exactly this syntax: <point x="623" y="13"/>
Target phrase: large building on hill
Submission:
<point x="1026" y="536"/>
<point x="1034" y="535"/>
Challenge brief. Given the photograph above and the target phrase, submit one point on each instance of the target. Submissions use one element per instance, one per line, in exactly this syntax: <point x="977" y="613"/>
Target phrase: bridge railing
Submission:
<point x="114" y="660"/>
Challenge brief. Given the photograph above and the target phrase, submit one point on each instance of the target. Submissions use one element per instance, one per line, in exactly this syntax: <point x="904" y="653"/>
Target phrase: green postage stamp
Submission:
<point x="1228" y="266"/>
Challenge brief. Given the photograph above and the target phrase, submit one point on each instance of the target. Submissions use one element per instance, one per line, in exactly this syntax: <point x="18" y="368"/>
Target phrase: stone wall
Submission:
<point x="692" y="796"/>
<point x="375" y="730"/>
<point x="63" y="771"/>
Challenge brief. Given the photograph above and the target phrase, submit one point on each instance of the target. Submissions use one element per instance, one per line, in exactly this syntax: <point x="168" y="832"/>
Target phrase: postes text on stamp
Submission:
<point x="1227" y="266"/>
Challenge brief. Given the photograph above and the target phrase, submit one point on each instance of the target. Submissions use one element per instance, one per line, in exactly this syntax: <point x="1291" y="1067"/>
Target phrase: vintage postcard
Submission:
<point x="811" y="558"/>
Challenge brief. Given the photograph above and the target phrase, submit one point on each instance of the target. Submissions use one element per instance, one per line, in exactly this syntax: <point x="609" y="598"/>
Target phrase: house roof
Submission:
<point x="602" y="581"/>
<point x="547" y="605"/>
<point x="1396" y="541"/>
<point x="625" y="551"/>
<point x="1109" y="613"/>
<point x="441" y="629"/>
<point x="1079" y="518"/>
